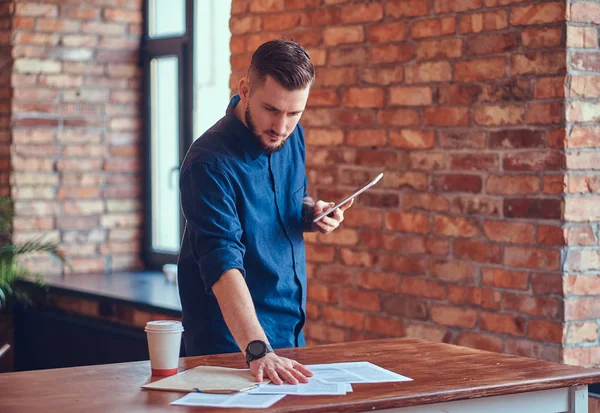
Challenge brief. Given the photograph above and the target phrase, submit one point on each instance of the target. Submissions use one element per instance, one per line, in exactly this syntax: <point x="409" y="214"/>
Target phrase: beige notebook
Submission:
<point x="207" y="379"/>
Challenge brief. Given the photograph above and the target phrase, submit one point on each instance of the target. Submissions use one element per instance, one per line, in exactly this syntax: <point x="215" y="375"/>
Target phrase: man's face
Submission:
<point x="272" y="112"/>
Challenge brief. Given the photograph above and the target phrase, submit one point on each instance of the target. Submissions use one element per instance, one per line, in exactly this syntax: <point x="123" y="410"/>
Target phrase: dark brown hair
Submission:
<point x="284" y="60"/>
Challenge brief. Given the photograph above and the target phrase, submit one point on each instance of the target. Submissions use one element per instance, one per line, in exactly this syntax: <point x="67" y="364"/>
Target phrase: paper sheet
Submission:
<point x="245" y="400"/>
<point x="313" y="388"/>
<point x="354" y="372"/>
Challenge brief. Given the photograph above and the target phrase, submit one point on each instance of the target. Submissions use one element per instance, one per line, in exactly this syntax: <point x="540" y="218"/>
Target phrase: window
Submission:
<point x="186" y="90"/>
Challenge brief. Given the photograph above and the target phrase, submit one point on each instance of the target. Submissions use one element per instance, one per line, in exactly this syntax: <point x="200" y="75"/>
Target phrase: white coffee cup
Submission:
<point x="164" y="341"/>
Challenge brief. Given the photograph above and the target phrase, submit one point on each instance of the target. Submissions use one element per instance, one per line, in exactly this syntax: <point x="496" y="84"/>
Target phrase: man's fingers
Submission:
<point x="284" y="372"/>
<point x="303" y="369"/>
<point x="259" y="374"/>
<point x="298" y="375"/>
<point x="275" y="379"/>
<point x="347" y="205"/>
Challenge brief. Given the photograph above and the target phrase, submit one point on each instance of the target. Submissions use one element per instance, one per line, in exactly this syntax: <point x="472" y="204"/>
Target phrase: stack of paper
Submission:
<point x="328" y="379"/>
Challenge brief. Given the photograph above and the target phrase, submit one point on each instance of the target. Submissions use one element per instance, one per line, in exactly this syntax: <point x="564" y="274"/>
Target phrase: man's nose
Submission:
<point x="278" y="125"/>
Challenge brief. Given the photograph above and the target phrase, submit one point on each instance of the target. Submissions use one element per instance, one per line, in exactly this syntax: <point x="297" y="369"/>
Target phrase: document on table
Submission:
<point x="314" y="387"/>
<point x="245" y="400"/>
<point x="354" y="372"/>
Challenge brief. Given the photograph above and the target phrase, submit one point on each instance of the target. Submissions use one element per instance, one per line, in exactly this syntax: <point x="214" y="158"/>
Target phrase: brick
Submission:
<point x="406" y="8"/>
<point x="318" y="56"/>
<point x="336" y="77"/>
<point x="549" y="87"/>
<point x="399" y="117"/>
<point x="477" y="251"/>
<point x="457" y="183"/>
<point x="545" y="113"/>
<point x="43" y="39"/>
<point x="391" y="53"/>
<point x="422" y="288"/>
<point x="356" y="217"/>
<point x="37" y="66"/>
<point x="323" y="97"/>
<point x="384" y="325"/>
<point x="512" y="185"/>
<point x="386" y="282"/>
<point x="581" y="86"/>
<point x="458" y="94"/>
<point x="36" y="9"/>
<point x="427" y="161"/>
<point x="578" y="308"/>
<point x="54" y="25"/>
<point x="333" y="36"/>
<point x="320" y="17"/>
<point x="428" y="72"/>
<point x="433" y="27"/>
<point x="342" y="236"/>
<point x="493" y="43"/>
<point x="516" y="139"/>
<point x="426" y="331"/>
<point x="462" y="139"/>
<point x="480" y="69"/>
<point x="454" y="6"/>
<point x="499" y="115"/>
<point x="538" y="14"/>
<point x="582" y="37"/>
<point x="382" y="76"/>
<point x="547" y="307"/>
<point x="583" y="112"/>
<point x="308" y="37"/>
<point x="321" y="136"/>
<point x="403" y="306"/>
<point x="473" y="162"/>
<point x="534" y="161"/>
<point x="534" y="349"/>
<point x="551" y="235"/>
<point x="455" y="226"/>
<point x="412" y="139"/>
<point x="480" y="297"/>
<point x="545" y="330"/>
<point x="347" y="56"/>
<point x="358" y="258"/>
<point x="483" y="22"/>
<point x="414" y="180"/>
<point x="585" y="12"/>
<point x="439" y="49"/>
<point x="246" y="24"/>
<point x="501" y="278"/>
<point x="539" y="38"/>
<point x="387" y="32"/>
<point x="407" y="222"/>
<point x="538" y="63"/>
<point x="585" y="332"/>
<point x="255" y="40"/>
<point x="240" y="6"/>
<point x="453" y="316"/>
<point x="583" y="260"/>
<point x="266" y="6"/>
<point x="453" y="270"/>
<point x="480" y="341"/>
<point x="319" y="254"/>
<point x="537" y="258"/>
<point x="502" y="323"/>
<point x="364" y="98"/>
<point x="23" y="23"/>
<point x="425" y="201"/>
<point x="359" y="13"/>
<point x="410" y="96"/>
<point x="79" y="12"/>
<point x="447" y="116"/>
<point x="105" y="29"/>
<point x="532" y="208"/>
<point x="343" y="318"/>
<point x="349" y="117"/>
<point x="510" y="232"/>
<point x="362" y="300"/>
<point x="366" y="137"/>
<point x="582" y="235"/>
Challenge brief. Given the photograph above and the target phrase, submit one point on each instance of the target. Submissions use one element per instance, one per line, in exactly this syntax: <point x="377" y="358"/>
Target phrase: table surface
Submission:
<point x="440" y="373"/>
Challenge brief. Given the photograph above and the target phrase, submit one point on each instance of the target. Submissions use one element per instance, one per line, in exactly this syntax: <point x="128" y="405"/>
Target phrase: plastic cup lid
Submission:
<point x="164" y="326"/>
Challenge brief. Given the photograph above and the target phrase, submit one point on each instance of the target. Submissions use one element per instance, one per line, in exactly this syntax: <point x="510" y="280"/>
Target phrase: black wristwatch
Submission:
<point x="257" y="349"/>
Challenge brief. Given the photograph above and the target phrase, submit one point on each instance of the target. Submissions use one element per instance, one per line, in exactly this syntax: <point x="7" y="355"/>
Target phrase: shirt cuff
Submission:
<point x="217" y="262"/>
<point x="308" y="213"/>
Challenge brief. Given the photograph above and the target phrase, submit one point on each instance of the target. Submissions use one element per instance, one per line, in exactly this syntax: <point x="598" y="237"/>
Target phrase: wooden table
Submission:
<point x="446" y="379"/>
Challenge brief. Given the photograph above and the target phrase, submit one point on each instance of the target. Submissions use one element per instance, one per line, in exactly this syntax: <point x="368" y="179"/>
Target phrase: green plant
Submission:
<point x="10" y="268"/>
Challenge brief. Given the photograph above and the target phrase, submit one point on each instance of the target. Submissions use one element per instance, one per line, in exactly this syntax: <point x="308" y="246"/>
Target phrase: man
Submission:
<point x="242" y="270"/>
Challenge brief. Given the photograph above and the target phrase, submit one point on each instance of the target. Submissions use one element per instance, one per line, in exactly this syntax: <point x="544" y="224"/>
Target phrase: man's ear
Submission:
<point x="244" y="89"/>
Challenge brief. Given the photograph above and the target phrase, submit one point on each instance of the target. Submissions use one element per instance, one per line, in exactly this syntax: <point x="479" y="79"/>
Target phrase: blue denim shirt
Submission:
<point x="243" y="210"/>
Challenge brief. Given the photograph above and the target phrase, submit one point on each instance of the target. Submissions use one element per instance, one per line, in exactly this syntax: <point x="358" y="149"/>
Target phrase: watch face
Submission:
<point x="257" y="348"/>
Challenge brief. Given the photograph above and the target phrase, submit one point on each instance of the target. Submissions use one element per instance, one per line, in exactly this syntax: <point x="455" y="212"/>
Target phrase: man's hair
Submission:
<point x="284" y="60"/>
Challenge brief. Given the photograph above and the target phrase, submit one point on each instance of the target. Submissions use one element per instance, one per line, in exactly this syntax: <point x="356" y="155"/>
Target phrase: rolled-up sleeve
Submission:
<point x="208" y="203"/>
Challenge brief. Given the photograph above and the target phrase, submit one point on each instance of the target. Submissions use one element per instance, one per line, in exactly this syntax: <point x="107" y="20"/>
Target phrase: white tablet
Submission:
<point x="347" y="199"/>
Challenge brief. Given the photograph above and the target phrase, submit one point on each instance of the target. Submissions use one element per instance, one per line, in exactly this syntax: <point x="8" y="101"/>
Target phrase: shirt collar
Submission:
<point x="246" y="137"/>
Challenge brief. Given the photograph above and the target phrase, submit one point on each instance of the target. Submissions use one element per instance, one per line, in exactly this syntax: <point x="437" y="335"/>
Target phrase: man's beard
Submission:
<point x="267" y="148"/>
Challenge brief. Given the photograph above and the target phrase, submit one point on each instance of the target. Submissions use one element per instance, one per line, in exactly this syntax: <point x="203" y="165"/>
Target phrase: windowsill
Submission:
<point x="147" y="290"/>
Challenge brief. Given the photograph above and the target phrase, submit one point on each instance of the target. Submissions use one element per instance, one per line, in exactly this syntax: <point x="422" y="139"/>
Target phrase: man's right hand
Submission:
<point x="279" y="370"/>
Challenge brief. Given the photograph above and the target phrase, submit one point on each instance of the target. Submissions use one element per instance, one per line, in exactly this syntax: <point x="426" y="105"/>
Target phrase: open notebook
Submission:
<point x="207" y="379"/>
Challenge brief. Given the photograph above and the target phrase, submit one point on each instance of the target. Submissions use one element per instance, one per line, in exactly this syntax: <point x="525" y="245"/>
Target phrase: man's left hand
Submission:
<point x="329" y="223"/>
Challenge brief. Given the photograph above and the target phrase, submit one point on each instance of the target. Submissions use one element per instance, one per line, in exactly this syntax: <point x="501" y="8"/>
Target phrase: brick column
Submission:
<point x="582" y="197"/>
<point x="6" y="62"/>
<point x="76" y="131"/>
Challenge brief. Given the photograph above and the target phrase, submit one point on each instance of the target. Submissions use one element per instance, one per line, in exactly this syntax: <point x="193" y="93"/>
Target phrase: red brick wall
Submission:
<point x="582" y="200"/>
<point x="461" y="103"/>
<point x="6" y="10"/>
<point x="76" y="130"/>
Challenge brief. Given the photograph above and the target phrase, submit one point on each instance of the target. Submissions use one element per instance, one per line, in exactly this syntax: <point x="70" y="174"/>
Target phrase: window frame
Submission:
<point x="183" y="48"/>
